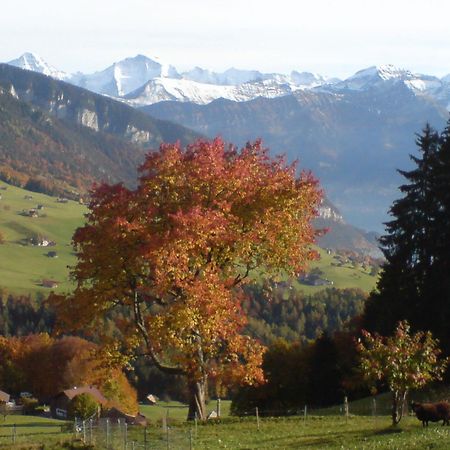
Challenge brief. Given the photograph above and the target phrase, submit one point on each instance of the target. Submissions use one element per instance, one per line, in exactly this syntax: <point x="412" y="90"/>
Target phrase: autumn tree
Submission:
<point x="45" y="366"/>
<point x="404" y="361"/>
<point x="175" y="251"/>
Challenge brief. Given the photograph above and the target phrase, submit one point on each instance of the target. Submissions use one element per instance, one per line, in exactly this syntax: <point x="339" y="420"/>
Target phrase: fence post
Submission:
<point x="346" y="408"/>
<point x="168" y="442"/>
<point x="145" y="438"/>
<point x="14" y="434"/>
<point x="84" y="431"/>
<point x="195" y="424"/>
<point x="374" y="406"/>
<point x="190" y="439"/>
<point x="90" y="432"/>
<point x="304" y="415"/>
<point x="218" y="407"/>
<point x="125" y="436"/>
<point x="107" y="433"/>
<point x="257" y="418"/>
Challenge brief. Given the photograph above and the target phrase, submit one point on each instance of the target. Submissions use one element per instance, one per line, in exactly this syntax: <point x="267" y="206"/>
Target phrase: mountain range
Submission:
<point x="353" y="133"/>
<point x="47" y="144"/>
<point x="142" y="81"/>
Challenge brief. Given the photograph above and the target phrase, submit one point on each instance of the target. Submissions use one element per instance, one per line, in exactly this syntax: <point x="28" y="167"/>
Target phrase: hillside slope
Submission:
<point x="47" y="154"/>
<point x="23" y="266"/>
<point x="58" y="138"/>
<point x="82" y="107"/>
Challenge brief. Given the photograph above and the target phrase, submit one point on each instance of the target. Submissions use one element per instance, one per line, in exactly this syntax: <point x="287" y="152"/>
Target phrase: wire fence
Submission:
<point x="116" y="434"/>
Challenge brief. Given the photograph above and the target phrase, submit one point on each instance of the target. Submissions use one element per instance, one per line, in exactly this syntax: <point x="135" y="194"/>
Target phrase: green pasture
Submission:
<point x="345" y="276"/>
<point x="23" y="267"/>
<point x="316" y="432"/>
<point x="30" y="432"/>
<point x="177" y="412"/>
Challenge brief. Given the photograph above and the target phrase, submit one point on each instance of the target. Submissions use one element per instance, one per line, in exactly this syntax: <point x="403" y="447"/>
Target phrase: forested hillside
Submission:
<point x="58" y="138"/>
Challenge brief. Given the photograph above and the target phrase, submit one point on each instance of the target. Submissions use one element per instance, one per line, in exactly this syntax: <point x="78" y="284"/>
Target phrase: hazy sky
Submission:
<point x="334" y="38"/>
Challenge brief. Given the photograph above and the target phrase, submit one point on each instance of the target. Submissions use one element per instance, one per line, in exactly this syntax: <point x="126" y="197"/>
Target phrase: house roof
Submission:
<point x="4" y="397"/>
<point x="91" y="390"/>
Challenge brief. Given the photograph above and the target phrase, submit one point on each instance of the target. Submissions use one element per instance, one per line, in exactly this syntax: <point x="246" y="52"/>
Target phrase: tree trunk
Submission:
<point x="395" y="405"/>
<point x="197" y="399"/>
<point x="398" y="403"/>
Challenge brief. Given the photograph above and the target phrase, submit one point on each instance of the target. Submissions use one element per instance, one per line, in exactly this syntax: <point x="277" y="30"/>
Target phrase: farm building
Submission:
<point x="4" y="397"/>
<point x="59" y="404"/>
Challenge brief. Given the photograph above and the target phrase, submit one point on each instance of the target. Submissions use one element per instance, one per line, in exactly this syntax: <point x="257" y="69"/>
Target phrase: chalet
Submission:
<point x="314" y="280"/>
<point x="117" y="415"/>
<point x="151" y="399"/>
<point x="59" y="404"/>
<point x="41" y="242"/>
<point x="49" y="284"/>
<point x="30" y="213"/>
<point x="61" y="200"/>
<point x="4" y="397"/>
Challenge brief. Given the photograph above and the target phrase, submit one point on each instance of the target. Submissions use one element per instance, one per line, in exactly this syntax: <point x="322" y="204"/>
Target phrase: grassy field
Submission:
<point x="316" y="432"/>
<point x="345" y="276"/>
<point x="23" y="267"/>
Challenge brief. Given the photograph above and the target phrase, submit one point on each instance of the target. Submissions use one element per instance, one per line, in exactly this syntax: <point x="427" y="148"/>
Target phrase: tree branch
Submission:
<point x="173" y="370"/>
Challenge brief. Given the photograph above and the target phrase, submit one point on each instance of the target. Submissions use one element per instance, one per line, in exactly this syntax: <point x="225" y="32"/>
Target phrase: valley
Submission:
<point x="353" y="133"/>
<point x="24" y="266"/>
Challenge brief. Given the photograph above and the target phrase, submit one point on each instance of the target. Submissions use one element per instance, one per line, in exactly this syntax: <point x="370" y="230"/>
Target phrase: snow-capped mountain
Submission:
<point x="33" y="62"/>
<point x="125" y="76"/>
<point x="229" y="77"/>
<point x="378" y="76"/>
<point x="141" y="81"/>
<point x="164" y="89"/>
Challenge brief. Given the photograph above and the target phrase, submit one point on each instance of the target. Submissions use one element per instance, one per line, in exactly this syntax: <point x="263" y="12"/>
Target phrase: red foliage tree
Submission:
<point x="175" y="251"/>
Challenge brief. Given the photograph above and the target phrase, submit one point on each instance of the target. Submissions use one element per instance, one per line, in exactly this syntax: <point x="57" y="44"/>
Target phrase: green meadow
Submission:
<point x="24" y="266"/>
<point x="316" y="432"/>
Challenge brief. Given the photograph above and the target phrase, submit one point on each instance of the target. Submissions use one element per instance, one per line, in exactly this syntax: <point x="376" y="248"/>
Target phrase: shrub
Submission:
<point x="29" y="404"/>
<point x="83" y="406"/>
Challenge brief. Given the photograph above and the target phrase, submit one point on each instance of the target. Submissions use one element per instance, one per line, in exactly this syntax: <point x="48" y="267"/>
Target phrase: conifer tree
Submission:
<point x="410" y="246"/>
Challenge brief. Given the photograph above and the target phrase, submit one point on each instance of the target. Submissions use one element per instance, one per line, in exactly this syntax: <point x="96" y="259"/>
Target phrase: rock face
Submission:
<point x="85" y="108"/>
<point x="87" y="118"/>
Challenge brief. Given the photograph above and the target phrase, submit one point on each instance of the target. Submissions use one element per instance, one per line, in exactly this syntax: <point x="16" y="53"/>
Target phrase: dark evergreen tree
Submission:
<point x="414" y="283"/>
<point x="325" y="377"/>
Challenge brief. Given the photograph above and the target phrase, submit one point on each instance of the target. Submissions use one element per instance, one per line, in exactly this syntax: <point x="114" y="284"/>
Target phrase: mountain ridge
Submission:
<point x="163" y="82"/>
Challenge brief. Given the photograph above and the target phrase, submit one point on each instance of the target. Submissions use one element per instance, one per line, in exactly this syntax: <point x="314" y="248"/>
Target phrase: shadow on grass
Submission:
<point x="42" y="425"/>
<point x="389" y="430"/>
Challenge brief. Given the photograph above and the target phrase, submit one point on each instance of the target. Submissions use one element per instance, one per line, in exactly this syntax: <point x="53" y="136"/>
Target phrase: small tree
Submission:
<point x="403" y="361"/>
<point x="83" y="406"/>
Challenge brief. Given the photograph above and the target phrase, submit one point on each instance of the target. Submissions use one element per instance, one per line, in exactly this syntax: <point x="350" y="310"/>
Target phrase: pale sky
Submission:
<point x="334" y="38"/>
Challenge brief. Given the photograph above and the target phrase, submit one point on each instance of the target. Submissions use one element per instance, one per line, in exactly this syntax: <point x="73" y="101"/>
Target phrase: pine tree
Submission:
<point x="409" y="246"/>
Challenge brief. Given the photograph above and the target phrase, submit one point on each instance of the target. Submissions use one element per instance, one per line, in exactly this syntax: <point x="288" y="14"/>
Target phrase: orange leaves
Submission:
<point x="173" y="252"/>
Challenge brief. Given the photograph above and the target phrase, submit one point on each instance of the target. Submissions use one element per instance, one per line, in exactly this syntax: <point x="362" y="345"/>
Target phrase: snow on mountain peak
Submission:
<point x="383" y="72"/>
<point x="142" y="80"/>
<point x="33" y="62"/>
